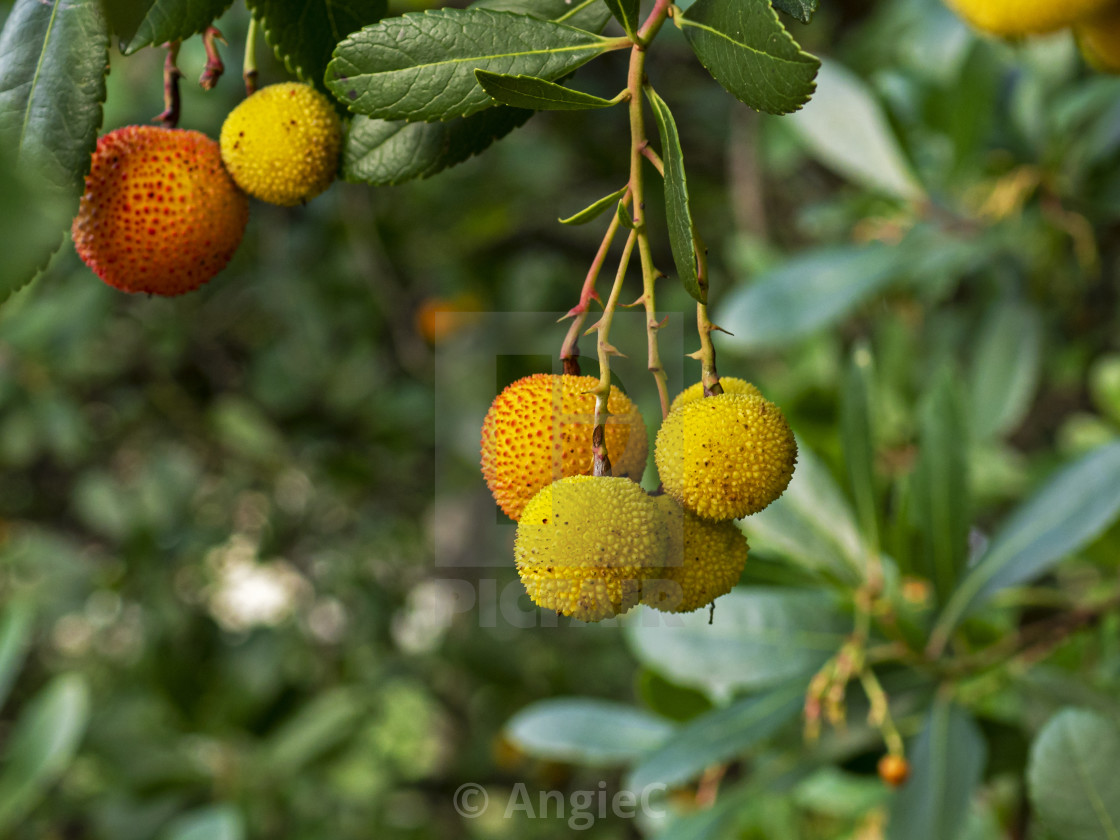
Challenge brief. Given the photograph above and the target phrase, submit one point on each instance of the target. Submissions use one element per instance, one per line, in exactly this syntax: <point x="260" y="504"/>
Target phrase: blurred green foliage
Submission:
<point x="253" y="586"/>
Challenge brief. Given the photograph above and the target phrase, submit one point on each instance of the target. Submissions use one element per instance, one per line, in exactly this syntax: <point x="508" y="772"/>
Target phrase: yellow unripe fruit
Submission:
<point x="1099" y="39"/>
<point x="725" y="457"/>
<point x="704" y="560"/>
<point x="1025" y="17"/>
<point x="282" y="144"/>
<point x="539" y="429"/>
<point x="730" y="385"/>
<point x="585" y="544"/>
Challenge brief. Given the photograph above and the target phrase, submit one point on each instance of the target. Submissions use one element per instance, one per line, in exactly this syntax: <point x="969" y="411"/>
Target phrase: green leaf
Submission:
<point x="1071" y="510"/>
<point x="947" y="762"/>
<point x="626" y="13"/>
<point x="53" y="61"/>
<point x="801" y="9"/>
<point x="591" y="15"/>
<point x="806" y="293"/>
<point x="160" y="21"/>
<point x="537" y="94"/>
<point x="669" y="700"/>
<point x="677" y="212"/>
<point x="595" y="210"/>
<point x="325" y="721"/>
<point x="717" y="737"/>
<point x="217" y="822"/>
<point x="1072" y="775"/>
<point x="15" y="637"/>
<point x="421" y="66"/>
<point x="811" y="524"/>
<point x="624" y="216"/>
<point x="304" y="33"/>
<point x="760" y="638"/>
<point x="845" y="128"/>
<point x="586" y="731"/>
<point x="1006" y="368"/>
<point x="743" y="44"/>
<point x="857" y="433"/>
<point x="41" y="744"/>
<point x="32" y="221"/>
<point x="940" y="504"/>
<point x="386" y="152"/>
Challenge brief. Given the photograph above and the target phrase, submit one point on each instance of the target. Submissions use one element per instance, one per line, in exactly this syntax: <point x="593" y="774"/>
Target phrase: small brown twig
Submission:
<point x="214" y="67"/>
<point x="171" y="74"/>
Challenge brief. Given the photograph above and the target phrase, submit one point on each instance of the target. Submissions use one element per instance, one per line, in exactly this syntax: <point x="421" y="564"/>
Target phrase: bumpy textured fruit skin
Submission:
<point x="1025" y="17"/>
<point x="730" y="384"/>
<point x="704" y="560"/>
<point x="725" y="457"/>
<point x="282" y="144"/>
<point x="539" y="430"/>
<point x="1099" y="39"/>
<point x="159" y="213"/>
<point x="585" y="544"/>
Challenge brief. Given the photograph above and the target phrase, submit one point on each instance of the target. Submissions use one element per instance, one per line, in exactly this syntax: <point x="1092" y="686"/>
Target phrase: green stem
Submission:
<point x="249" y="68"/>
<point x="601" y="462"/>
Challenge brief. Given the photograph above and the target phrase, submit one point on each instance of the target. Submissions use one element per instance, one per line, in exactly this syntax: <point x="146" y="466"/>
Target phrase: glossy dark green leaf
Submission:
<point x="743" y="44"/>
<point x="53" y="61"/>
<point x="216" y="822"/>
<point x="717" y="736"/>
<point x="421" y="66"/>
<point x="1072" y="778"/>
<point x="806" y="293"/>
<point x="160" y="21"/>
<point x="857" y="433"/>
<point x="304" y="33"/>
<point x="947" y="763"/>
<point x="15" y="636"/>
<point x="591" y="15"/>
<point x="801" y="9"/>
<point x="1005" y="368"/>
<point x="677" y="212"/>
<point x="626" y="13"/>
<point x="40" y="746"/>
<point x="537" y="94"/>
<point x="593" y="211"/>
<point x="587" y="731"/>
<point x="383" y="152"/>
<point x="1068" y="512"/>
<point x="759" y="638"/>
<point x="940" y="502"/>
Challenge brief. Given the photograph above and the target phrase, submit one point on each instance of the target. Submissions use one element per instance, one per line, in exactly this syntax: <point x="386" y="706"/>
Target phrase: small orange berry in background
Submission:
<point x="894" y="770"/>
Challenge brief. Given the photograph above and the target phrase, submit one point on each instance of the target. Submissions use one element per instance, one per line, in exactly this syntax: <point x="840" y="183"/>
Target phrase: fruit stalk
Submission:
<point x="214" y="66"/>
<point x="600" y="461"/>
<point x="249" y="65"/>
<point x="569" y="352"/>
<point x="639" y="146"/>
<point x="171" y="76"/>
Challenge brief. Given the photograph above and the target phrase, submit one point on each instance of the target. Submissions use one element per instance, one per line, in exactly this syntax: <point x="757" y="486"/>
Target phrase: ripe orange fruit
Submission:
<point x="159" y="213"/>
<point x="538" y="430"/>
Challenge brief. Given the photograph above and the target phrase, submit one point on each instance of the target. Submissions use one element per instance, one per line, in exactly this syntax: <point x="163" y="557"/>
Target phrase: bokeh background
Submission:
<point x="245" y="550"/>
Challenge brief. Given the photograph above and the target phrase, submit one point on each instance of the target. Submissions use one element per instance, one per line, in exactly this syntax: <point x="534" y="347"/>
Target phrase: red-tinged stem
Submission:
<point x="569" y="352"/>
<point x="172" y="103"/>
<point x="214" y="67"/>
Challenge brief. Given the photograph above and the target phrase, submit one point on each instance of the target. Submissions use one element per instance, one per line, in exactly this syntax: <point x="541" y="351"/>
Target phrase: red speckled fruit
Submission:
<point x="159" y="214"/>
